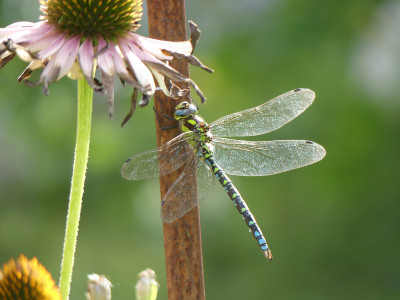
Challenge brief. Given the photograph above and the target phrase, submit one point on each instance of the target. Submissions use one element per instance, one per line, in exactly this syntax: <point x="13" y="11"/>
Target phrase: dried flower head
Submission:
<point x="80" y="37"/>
<point x="27" y="280"/>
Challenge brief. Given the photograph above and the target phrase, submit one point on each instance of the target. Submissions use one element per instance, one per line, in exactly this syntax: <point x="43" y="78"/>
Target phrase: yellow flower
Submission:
<point x="27" y="280"/>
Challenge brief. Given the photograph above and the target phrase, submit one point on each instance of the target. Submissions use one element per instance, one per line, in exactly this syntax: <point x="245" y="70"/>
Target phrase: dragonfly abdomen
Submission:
<point x="239" y="203"/>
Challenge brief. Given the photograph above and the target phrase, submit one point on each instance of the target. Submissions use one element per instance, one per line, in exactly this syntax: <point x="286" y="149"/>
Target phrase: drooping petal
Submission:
<point x="67" y="56"/>
<point x="6" y="59"/>
<point x="166" y="70"/>
<point x="104" y="59"/>
<point x="122" y="70"/>
<point x="49" y="75"/>
<point x="60" y="64"/>
<point x="108" y="82"/>
<point x="155" y="47"/>
<point x="53" y="47"/>
<point x="8" y="46"/>
<point x="119" y="64"/>
<point x="87" y="64"/>
<point x="139" y="70"/>
<point x="44" y="39"/>
<point x="160" y="80"/>
<point x="35" y="64"/>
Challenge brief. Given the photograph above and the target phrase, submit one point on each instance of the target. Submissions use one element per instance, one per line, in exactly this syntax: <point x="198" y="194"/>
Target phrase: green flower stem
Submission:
<point x="85" y="97"/>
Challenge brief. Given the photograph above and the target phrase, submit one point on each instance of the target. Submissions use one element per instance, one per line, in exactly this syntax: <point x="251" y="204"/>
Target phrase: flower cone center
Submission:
<point x="109" y="19"/>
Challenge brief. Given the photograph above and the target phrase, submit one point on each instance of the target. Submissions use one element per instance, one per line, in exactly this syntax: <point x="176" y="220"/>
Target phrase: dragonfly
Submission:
<point x="208" y="149"/>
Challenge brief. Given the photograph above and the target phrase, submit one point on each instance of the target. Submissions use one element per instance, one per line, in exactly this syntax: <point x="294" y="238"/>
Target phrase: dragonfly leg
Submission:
<point x="166" y="117"/>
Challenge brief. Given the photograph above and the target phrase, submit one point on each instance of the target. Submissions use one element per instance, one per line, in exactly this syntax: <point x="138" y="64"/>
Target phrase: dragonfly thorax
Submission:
<point x="186" y="114"/>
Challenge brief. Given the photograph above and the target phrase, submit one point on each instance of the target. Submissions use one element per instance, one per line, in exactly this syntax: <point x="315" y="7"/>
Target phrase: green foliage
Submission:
<point x="333" y="226"/>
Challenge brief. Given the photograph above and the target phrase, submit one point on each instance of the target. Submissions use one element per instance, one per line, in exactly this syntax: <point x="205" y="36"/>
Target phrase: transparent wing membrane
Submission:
<point x="160" y="161"/>
<point x="264" y="118"/>
<point x="178" y="201"/>
<point x="247" y="158"/>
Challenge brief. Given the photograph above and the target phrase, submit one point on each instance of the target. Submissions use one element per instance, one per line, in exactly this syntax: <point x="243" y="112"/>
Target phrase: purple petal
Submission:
<point x="53" y="47"/>
<point x="86" y="62"/>
<point x="66" y="57"/>
<point x="43" y="39"/>
<point x="60" y="63"/>
<point x="139" y="69"/>
<point x="105" y="60"/>
<point x="86" y="59"/>
<point x="49" y="75"/>
<point x="16" y="27"/>
<point x="28" y="35"/>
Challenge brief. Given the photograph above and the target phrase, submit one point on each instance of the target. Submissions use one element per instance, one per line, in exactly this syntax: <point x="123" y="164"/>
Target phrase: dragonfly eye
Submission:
<point x="184" y="110"/>
<point x="182" y="105"/>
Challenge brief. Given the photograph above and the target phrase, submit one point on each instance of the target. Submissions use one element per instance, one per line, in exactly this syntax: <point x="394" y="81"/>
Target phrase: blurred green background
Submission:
<point x="333" y="227"/>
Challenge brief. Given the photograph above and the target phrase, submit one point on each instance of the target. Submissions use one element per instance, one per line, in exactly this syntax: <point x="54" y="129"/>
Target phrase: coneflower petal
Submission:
<point x="108" y="82"/>
<point x="43" y="39"/>
<point x="122" y="70"/>
<point x="52" y="47"/>
<point x="35" y="64"/>
<point x="104" y="59"/>
<point x="86" y="61"/>
<point x="66" y="57"/>
<point x="155" y="47"/>
<point x="139" y="70"/>
<point x="161" y="81"/>
<point x="119" y="64"/>
<point x="14" y="28"/>
<point x="49" y="75"/>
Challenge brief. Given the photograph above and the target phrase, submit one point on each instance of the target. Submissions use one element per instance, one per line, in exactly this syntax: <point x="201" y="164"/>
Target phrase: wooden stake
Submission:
<point x="182" y="238"/>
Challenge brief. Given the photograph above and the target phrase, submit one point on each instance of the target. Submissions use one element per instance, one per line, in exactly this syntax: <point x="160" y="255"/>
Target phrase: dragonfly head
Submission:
<point x="184" y="110"/>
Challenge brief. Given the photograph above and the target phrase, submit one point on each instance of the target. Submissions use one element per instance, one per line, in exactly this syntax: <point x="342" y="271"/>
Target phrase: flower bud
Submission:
<point x="99" y="287"/>
<point x="147" y="286"/>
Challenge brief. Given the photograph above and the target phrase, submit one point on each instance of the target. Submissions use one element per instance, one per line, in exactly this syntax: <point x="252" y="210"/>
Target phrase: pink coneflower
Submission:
<point x="79" y="37"/>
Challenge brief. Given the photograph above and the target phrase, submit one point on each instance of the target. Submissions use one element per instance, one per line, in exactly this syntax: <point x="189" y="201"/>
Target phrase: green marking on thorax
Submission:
<point x="185" y="129"/>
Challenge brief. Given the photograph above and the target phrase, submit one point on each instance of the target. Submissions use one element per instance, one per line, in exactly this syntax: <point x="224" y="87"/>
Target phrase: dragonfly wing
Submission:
<point x="264" y="118"/>
<point x="160" y="161"/>
<point x="181" y="196"/>
<point x="205" y="179"/>
<point x="248" y="158"/>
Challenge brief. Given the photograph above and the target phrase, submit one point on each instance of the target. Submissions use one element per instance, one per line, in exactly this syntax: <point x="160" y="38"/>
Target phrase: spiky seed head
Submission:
<point x="110" y="19"/>
<point x="27" y="279"/>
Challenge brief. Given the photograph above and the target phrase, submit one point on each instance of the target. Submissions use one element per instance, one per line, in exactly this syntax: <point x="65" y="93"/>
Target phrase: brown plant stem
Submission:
<point x="182" y="238"/>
